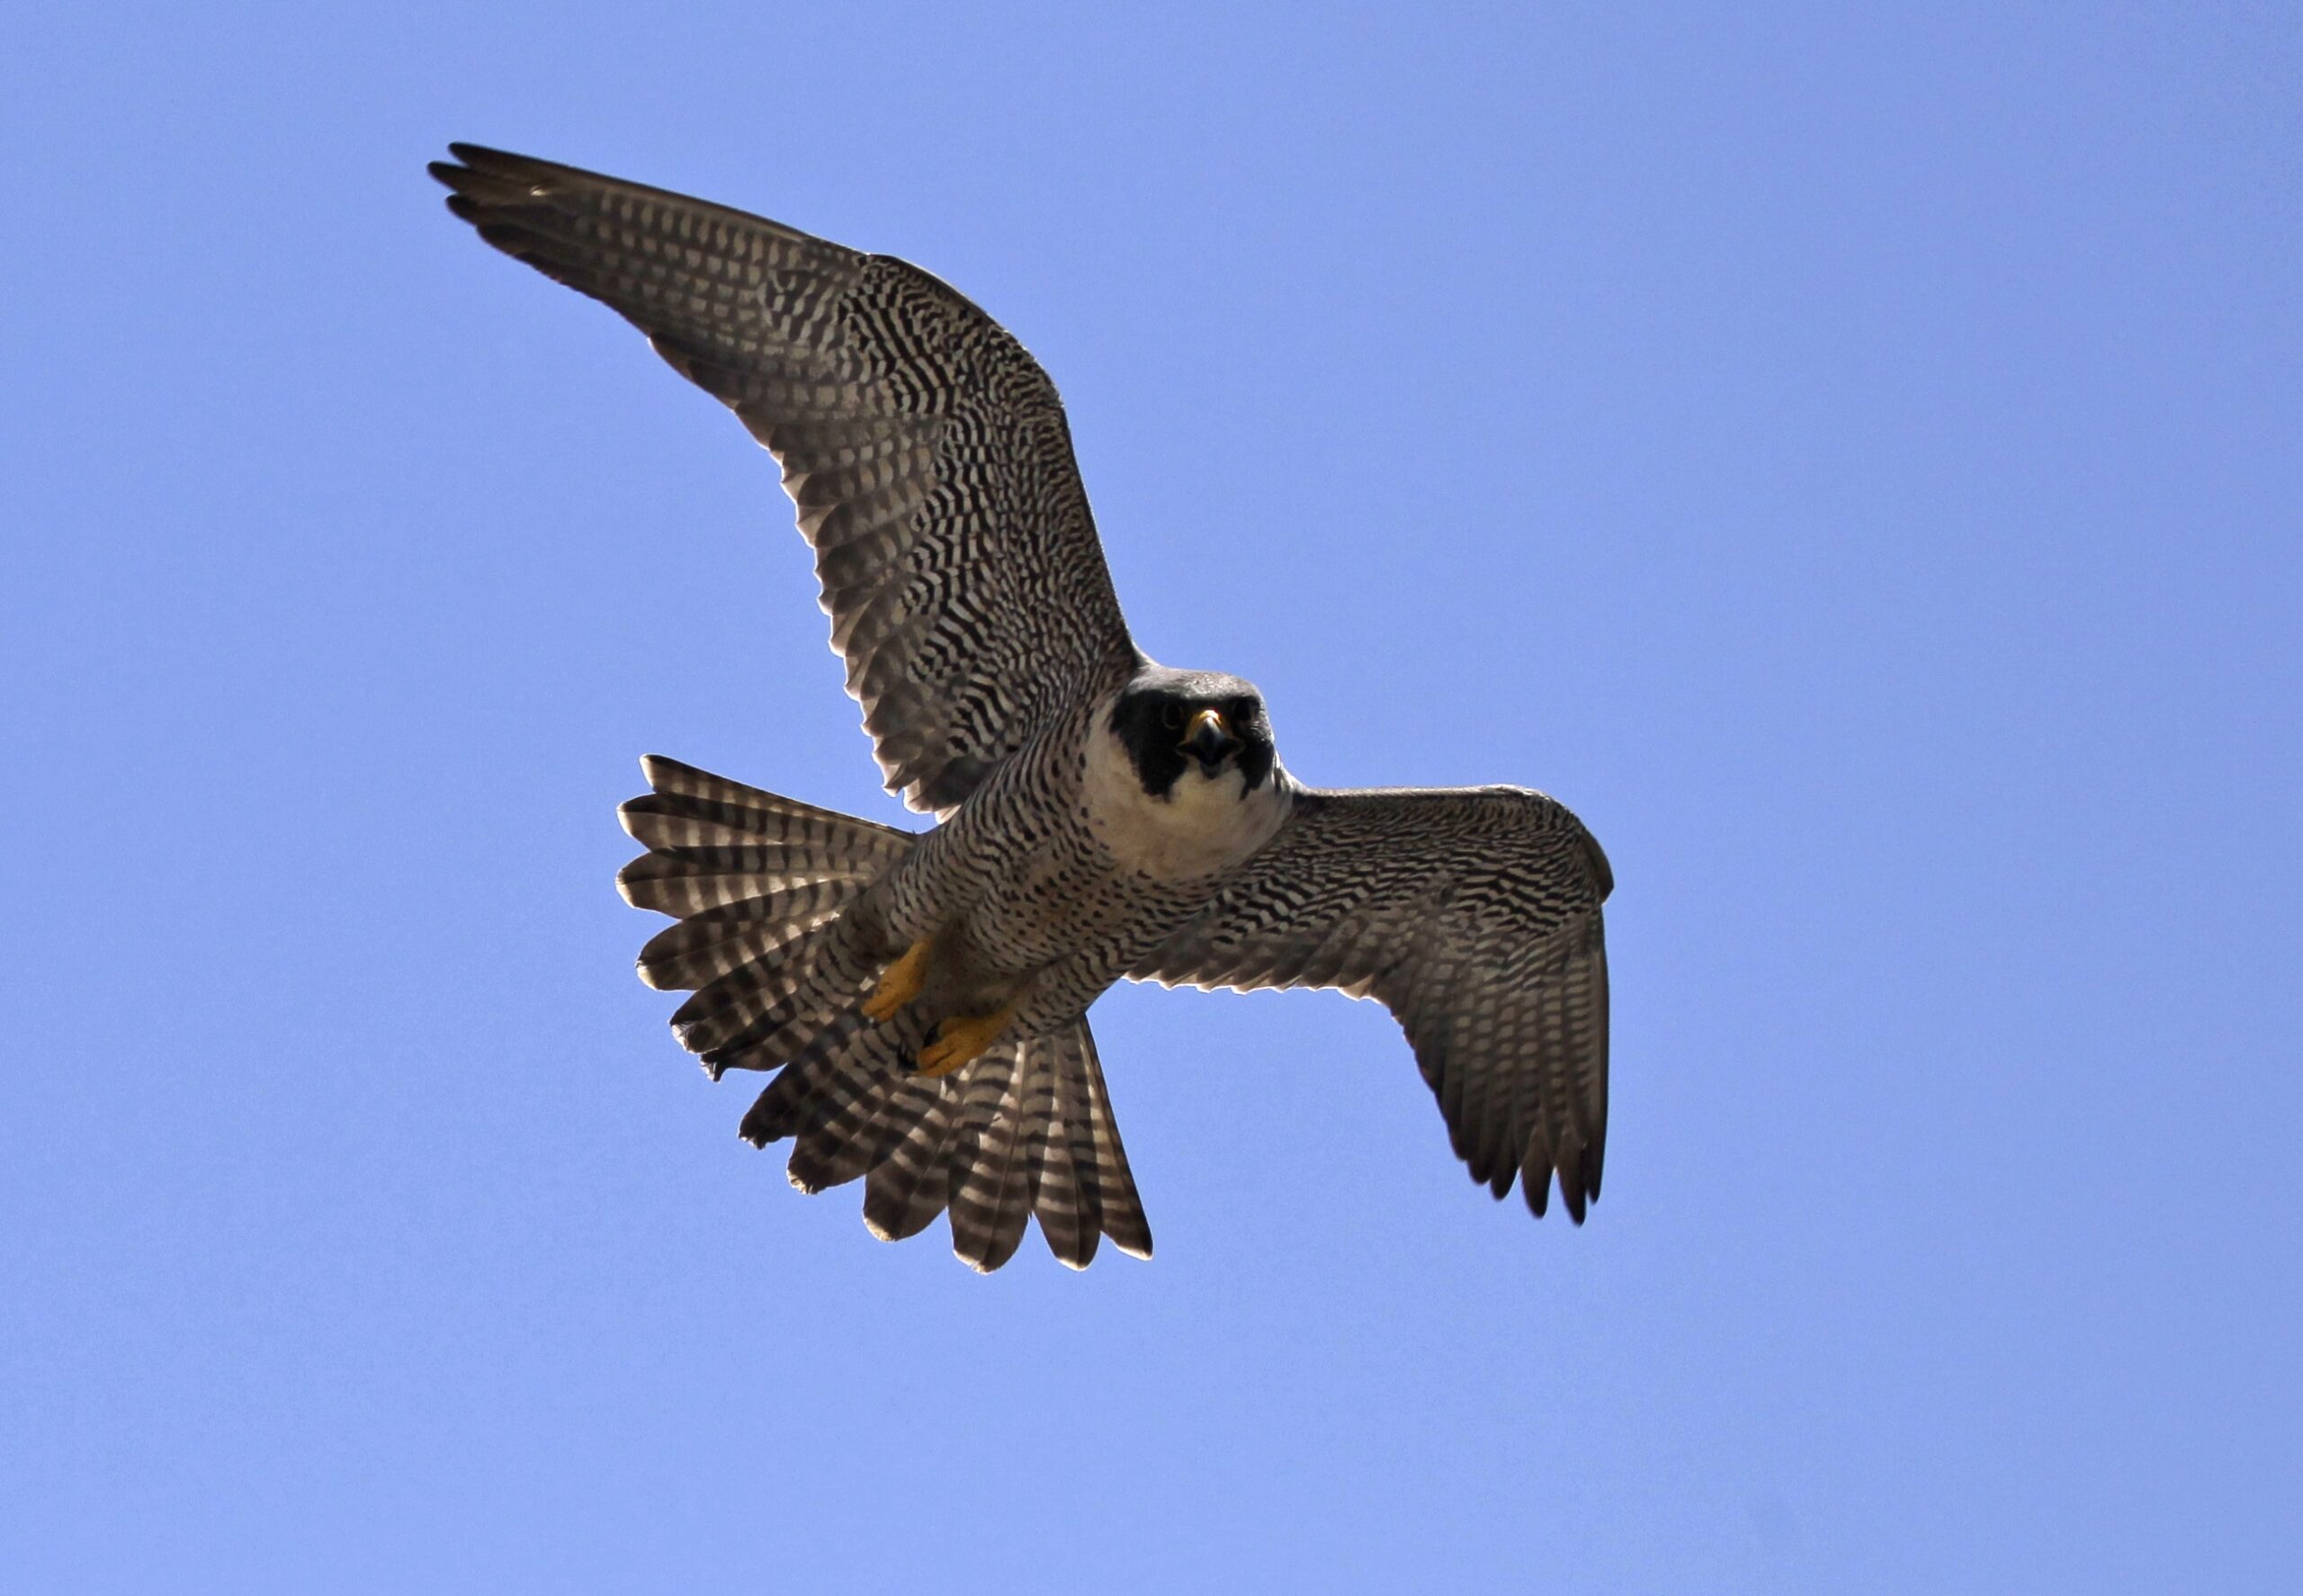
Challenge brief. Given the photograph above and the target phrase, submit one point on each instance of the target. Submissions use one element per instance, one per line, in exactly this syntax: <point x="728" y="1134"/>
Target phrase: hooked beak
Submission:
<point x="1208" y="739"/>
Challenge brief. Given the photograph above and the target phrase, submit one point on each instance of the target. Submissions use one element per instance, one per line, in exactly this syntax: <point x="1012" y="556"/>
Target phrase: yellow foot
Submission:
<point x="960" y="1039"/>
<point x="900" y="983"/>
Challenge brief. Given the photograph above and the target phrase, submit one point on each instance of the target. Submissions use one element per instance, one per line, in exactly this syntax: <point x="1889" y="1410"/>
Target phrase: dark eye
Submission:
<point x="1244" y="712"/>
<point x="1171" y="716"/>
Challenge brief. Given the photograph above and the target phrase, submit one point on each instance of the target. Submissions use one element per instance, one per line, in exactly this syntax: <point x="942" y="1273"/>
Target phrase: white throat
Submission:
<point x="1201" y="825"/>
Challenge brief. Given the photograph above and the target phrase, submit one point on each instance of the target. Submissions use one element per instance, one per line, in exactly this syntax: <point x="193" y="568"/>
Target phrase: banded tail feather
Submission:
<point x="758" y="885"/>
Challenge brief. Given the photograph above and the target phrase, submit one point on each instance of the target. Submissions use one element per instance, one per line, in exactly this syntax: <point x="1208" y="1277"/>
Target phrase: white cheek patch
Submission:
<point x="1201" y="825"/>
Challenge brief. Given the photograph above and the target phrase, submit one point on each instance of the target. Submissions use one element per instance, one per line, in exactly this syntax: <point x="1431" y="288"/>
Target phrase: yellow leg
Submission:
<point x="899" y="984"/>
<point x="960" y="1039"/>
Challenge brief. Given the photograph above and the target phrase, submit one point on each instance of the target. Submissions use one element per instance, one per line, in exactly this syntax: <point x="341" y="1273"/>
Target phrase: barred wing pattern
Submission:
<point x="926" y="450"/>
<point x="1472" y="915"/>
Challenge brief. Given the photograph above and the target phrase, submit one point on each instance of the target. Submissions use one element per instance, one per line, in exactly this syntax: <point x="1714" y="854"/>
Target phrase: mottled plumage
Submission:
<point x="922" y="997"/>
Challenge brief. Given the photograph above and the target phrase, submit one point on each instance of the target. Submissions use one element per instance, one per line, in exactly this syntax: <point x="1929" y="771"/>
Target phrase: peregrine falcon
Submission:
<point x="923" y="996"/>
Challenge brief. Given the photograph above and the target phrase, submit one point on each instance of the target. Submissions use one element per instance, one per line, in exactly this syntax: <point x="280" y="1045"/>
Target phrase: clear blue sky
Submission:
<point x="1851" y="460"/>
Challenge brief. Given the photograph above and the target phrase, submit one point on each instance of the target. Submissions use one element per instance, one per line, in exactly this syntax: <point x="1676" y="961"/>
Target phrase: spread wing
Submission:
<point x="1473" y="914"/>
<point x="926" y="450"/>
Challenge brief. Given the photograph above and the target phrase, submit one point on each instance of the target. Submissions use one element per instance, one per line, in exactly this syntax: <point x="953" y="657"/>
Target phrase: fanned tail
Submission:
<point x="758" y="885"/>
<point x="1024" y="1130"/>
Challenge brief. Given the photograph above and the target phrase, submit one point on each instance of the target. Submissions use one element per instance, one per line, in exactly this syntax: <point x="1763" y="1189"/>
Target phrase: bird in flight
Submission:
<point x="922" y="997"/>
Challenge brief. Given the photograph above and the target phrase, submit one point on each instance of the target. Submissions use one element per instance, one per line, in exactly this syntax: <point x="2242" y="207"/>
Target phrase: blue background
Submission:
<point x="1849" y="456"/>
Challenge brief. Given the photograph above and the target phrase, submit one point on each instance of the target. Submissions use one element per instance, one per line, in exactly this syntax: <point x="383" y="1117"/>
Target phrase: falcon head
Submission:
<point x="1193" y="728"/>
